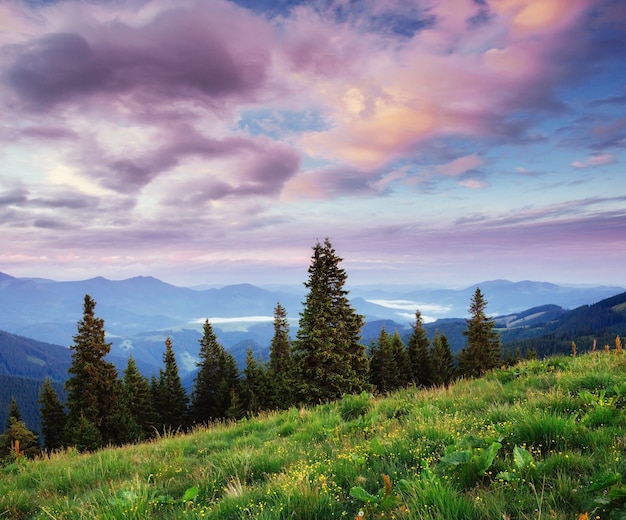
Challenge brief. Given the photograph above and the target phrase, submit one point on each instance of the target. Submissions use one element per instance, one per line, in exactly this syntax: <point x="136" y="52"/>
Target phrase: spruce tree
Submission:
<point x="53" y="417"/>
<point x="418" y="352"/>
<point x="383" y="367"/>
<point x="254" y="386"/>
<point x="442" y="361"/>
<point x="14" y="412"/>
<point x="138" y="401"/>
<point x="17" y="440"/>
<point x="169" y="396"/>
<point x="93" y="387"/>
<point x="483" y="350"/>
<point x="216" y="382"/>
<point x="329" y="360"/>
<point x="401" y="360"/>
<point x="279" y="367"/>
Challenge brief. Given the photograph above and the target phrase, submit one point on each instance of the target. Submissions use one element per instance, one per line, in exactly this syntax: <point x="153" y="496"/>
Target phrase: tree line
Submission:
<point x="325" y="361"/>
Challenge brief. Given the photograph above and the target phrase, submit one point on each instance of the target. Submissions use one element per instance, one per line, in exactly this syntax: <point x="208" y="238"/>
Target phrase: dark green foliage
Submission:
<point x="401" y="357"/>
<point x="14" y="413"/>
<point x="279" y="369"/>
<point x="329" y="360"/>
<point x="17" y="440"/>
<point x="137" y="400"/>
<point x="53" y="417"/>
<point x="483" y="351"/>
<point x="93" y="388"/>
<point x="388" y="361"/>
<point x="216" y="382"/>
<point x="17" y="431"/>
<point x="419" y="356"/>
<point x="255" y="387"/>
<point x="84" y="435"/>
<point x="26" y="393"/>
<point x="168" y="394"/>
<point x="442" y="361"/>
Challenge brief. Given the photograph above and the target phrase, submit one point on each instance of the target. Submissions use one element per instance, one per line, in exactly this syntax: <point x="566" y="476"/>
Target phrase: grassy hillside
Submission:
<point x="544" y="439"/>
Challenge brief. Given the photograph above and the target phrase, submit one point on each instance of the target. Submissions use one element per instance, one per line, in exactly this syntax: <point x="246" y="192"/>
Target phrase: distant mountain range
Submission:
<point x="38" y="319"/>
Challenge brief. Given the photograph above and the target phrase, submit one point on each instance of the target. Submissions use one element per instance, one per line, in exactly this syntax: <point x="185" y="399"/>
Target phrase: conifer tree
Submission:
<point x="254" y="386"/>
<point x="279" y="367"/>
<point x="53" y="417"/>
<point x="93" y="387"/>
<point x="329" y="360"/>
<point x="14" y="412"/>
<point x="169" y="396"/>
<point x="138" y="401"/>
<point x="383" y="367"/>
<point x="442" y="361"/>
<point x="401" y="359"/>
<point x="483" y="350"/>
<point x="418" y="351"/>
<point x="17" y="439"/>
<point x="216" y="382"/>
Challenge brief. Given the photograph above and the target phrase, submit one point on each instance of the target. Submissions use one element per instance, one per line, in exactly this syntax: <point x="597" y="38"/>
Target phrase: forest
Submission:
<point x="324" y="362"/>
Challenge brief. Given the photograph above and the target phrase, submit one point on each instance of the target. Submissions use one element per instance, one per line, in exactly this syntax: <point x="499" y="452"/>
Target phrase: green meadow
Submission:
<point x="545" y="439"/>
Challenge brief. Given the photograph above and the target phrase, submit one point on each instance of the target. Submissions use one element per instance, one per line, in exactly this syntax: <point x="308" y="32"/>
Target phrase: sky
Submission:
<point x="435" y="143"/>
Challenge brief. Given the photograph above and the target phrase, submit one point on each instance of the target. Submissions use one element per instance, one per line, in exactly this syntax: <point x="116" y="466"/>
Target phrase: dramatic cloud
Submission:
<point x="217" y="138"/>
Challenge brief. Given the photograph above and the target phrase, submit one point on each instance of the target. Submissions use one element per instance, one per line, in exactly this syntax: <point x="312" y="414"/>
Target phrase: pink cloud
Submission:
<point x="461" y="165"/>
<point x="594" y="161"/>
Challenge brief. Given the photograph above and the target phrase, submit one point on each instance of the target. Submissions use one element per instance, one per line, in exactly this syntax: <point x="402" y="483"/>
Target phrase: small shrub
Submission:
<point x="354" y="406"/>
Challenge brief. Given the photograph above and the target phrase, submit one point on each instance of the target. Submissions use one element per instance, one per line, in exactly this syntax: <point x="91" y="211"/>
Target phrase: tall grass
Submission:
<point x="543" y="439"/>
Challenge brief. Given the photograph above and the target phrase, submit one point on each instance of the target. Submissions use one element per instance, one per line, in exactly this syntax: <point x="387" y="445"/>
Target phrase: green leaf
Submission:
<point x="507" y="476"/>
<point x="523" y="458"/>
<point x="360" y="494"/>
<point x="605" y="481"/>
<point x="486" y="458"/>
<point x="456" y="458"/>
<point x="618" y="493"/>
<point x="190" y="494"/>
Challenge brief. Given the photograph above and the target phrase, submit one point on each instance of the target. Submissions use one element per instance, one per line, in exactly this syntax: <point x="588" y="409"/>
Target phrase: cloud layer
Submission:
<point x="216" y="141"/>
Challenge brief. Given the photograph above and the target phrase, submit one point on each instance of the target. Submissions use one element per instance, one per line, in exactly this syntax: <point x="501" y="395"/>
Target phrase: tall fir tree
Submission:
<point x="93" y="387"/>
<point x="383" y="367"/>
<point x="329" y="360"/>
<point x="483" y="351"/>
<point x="442" y="361"/>
<point x="14" y="412"/>
<point x="279" y="366"/>
<point x="255" y="388"/>
<point x="168" y="394"/>
<point x="216" y="382"/>
<point x="53" y="417"/>
<point x="418" y="352"/>
<point x="138" y="401"/>
<point x="402" y="362"/>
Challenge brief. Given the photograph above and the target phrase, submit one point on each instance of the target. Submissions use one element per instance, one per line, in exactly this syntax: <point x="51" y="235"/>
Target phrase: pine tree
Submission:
<point x="418" y="351"/>
<point x="14" y="412"/>
<point x="279" y="368"/>
<point x="169" y="396"/>
<point x="217" y="380"/>
<point x="254" y="386"/>
<point x="442" y="361"/>
<point x="53" y="417"/>
<point x="383" y="366"/>
<point x="483" y="351"/>
<point x="17" y="440"/>
<point x="138" y="401"/>
<point x="93" y="387"/>
<point x="401" y="360"/>
<point x="329" y="360"/>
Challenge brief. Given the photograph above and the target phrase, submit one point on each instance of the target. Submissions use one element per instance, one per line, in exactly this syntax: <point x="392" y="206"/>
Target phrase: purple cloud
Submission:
<point x="181" y="54"/>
